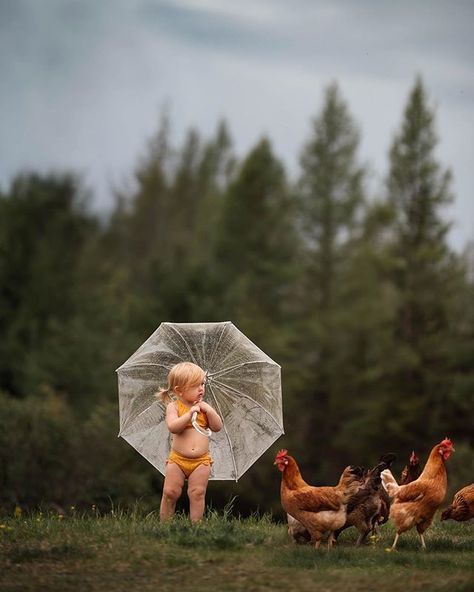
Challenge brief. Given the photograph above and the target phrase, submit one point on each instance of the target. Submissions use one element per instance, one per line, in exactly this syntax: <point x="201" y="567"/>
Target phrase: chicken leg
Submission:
<point x="395" y="542"/>
<point x="423" y="546"/>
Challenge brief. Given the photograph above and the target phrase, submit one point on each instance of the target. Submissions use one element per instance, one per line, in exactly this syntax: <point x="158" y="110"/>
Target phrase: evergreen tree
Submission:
<point x="365" y="316"/>
<point x="426" y="275"/>
<point x="330" y="193"/>
<point x="255" y="249"/>
<point x="254" y="277"/>
<point x="44" y="232"/>
<point x="163" y="232"/>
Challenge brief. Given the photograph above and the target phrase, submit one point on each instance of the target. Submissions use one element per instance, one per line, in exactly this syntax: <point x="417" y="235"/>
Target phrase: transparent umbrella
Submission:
<point x="243" y="385"/>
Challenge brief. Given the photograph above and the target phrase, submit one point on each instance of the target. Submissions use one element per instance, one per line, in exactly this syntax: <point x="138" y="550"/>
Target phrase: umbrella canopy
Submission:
<point x="243" y="385"/>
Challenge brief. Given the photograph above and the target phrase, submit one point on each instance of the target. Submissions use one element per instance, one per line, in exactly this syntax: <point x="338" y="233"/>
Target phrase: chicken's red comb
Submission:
<point x="282" y="453"/>
<point x="413" y="457"/>
<point x="447" y="442"/>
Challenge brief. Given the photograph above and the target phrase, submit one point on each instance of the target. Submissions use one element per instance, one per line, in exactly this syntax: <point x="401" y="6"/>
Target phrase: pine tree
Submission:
<point x="255" y="249"/>
<point x="425" y="274"/>
<point x="330" y="193"/>
<point x="163" y="232"/>
<point x="44" y="232"/>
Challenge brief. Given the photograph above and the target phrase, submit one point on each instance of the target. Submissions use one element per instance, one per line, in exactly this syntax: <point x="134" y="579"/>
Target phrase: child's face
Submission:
<point x="193" y="393"/>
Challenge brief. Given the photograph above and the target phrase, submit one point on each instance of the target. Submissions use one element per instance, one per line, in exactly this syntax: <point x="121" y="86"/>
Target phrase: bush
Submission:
<point x="51" y="459"/>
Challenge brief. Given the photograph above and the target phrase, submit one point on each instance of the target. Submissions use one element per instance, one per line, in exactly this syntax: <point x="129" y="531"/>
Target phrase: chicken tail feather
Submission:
<point x="389" y="483"/>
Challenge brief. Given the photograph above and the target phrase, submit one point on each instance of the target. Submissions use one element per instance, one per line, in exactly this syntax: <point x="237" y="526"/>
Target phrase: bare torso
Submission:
<point x="190" y="443"/>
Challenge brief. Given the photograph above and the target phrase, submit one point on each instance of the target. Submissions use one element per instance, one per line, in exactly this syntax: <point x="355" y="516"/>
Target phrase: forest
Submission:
<point x="358" y="297"/>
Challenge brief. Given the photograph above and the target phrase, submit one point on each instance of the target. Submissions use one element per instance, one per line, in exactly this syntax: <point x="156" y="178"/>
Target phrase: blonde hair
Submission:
<point x="180" y="376"/>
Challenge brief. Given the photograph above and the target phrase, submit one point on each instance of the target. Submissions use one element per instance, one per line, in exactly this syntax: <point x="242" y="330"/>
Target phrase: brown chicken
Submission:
<point x="411" y="471"/>
<point x="462" y="507"/>
<point x="369" y="506"/>
<point x="414" y="504"/>
<point x="318" y="509"/>
<point x="300" y="534"/>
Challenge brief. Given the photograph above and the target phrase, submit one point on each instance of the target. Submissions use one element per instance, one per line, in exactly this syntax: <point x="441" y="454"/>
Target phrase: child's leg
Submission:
<point x="197" y="486"/>
<point x="172" y="488"/>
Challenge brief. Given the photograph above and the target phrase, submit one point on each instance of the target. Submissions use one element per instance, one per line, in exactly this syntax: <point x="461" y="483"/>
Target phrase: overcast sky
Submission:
<point x="83" y="81"/>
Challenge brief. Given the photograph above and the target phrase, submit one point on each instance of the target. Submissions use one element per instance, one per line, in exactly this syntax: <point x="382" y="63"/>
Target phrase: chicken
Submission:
<point x="462" y="507"/>
<point x="411" y="471"/>
<point x="299" y="533"/>
<point x="414" y="504"/>
<point x="368" y="507"/>
<point x="318" y="509"/>
<point x="384" y="511"/>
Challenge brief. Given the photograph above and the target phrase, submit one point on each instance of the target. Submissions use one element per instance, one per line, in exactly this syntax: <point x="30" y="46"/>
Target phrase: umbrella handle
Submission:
<point x="205" y="432"/>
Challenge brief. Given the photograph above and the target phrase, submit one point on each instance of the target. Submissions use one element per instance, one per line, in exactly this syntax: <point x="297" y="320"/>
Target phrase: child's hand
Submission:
<point x="194" y="408"/>
<point x="205" y="407"/>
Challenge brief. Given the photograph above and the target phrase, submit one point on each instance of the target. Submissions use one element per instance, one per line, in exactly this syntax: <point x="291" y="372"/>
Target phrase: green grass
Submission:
<point x="130" y="551"/>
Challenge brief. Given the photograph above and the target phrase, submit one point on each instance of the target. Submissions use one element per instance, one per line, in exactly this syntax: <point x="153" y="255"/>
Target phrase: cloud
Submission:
<point x="83" y="82"/>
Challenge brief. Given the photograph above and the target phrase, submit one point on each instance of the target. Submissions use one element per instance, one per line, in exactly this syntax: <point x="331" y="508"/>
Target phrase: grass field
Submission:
<point x="128" y="551"/>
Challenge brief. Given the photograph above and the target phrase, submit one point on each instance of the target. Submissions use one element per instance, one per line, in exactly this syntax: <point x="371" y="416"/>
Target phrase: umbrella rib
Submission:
<point x="222" y="384"/>
<point x="230" y="368"/>
<point x="138" y="364"/>
<point x="183" y="340"/>
<point x="140" y="414"/>
<point x="226" y="432"/>
<point x="216" y="347"/>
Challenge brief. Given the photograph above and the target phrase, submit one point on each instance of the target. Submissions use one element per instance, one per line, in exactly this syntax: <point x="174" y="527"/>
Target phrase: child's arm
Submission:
<point x="215" y="422"/>
<point x="177" y="424"/>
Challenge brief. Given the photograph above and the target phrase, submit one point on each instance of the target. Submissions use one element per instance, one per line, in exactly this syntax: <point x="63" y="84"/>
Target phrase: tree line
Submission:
<point x="358" y="297"/>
